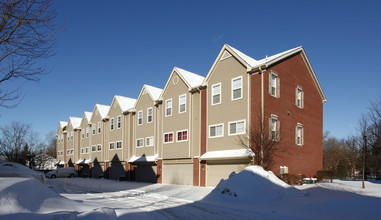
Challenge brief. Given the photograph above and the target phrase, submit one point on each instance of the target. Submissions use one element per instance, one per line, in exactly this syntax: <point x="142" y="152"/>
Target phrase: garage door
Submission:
<point x="145" y="173"/>
<point x="216" y="172"/>
<point x="178" y="174"/>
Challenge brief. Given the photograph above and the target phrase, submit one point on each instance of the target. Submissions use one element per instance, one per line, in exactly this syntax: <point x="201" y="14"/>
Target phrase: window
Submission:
<point x="283" y="170"/>
<point x="82" y="150"/>
<point x="58" y="140"/>
<point x="87" y="150"/>
<point x="93" y="148"/>
<point x="119" y="122"/>
<point x="71" y="135"/>
<point x="140" y="117"/>
<point x="299" y="97"/>
<point x="149" y="141"/>
<point x="118" y="145"/>
<point x="149" y="115"/>
<point x="299" y="139"/>
<point x="140" y="142"/>
<point x="111" y="124"/>
<point x="274" y="126"/>
<point x="237" y="127"/>
<point x="99" y="127"/>
<point x="83" y="133"/>
<point x="61" y="138"/>
<point x="87" y="132"/>
<point x="168" y="107"/>
<point x="99" y="148"/>
<point x="216" y="130"/>
<point x="68" y="136"/>
<point x="67" y="152"/>
<point x="237" y="88"/>
<point x="112" y="145"/>
<point x="274" y="85"/>
<point x="182" y="136"/>
<point x="71" y="151"/>
<point x="94" y="128"/>
<point x="216" y="94"/>
<point x="182" y="103"/>
<point x="168" y="138"/>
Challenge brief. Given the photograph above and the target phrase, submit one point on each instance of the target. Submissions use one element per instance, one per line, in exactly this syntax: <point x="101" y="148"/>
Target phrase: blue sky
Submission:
<point x="114" y="47"/>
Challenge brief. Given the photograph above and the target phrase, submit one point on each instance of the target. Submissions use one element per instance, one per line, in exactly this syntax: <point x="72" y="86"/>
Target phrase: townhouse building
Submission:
<point x="72" y="140"/>
<point x="145" y="134"/>
<point x="192" y="131"/>
<point x="82" y="165"/>
<point x="118" y="139"/>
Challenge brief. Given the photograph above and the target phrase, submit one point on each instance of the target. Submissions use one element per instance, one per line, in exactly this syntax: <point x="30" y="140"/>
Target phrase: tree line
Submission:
<point x="345" y="157"/>
<point x="19" y="143"/>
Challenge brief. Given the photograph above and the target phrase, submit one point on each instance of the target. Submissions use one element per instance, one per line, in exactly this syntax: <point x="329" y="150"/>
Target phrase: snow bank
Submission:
<point x="252" y="185"/>
<point x="98" y="214"/>
<point x="20" y="195"/>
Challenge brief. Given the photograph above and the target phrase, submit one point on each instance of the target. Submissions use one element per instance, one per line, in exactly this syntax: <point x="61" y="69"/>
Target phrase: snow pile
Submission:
<point x="253" y="185"/>
<point x="98" y="214"/>
<point x="20" y="195"/>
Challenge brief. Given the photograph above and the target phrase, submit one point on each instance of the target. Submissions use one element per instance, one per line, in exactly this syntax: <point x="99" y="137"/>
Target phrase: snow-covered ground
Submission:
<point x="251" y="194"/>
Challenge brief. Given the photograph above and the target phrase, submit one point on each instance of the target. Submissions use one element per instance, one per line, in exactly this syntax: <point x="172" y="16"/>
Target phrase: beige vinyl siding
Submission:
<point x="145" y="129"/>
<point x="97" y="138"/>
<point x="86" y="141"/>
<point x="60" y="144"/>
<point x="116" y="134"/>
<point x="70" y="144"/>
<point x="228" y="110"/>
<point x="176" y="122"/>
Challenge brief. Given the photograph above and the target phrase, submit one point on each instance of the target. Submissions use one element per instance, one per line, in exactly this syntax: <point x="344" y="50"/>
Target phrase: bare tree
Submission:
<point x="27" y="35"/>
<point x="265" y="142"/>
<point x="14" y="142"/>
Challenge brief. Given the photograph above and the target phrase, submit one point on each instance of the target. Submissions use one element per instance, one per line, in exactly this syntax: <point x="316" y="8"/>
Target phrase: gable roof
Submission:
<point x="252" y="64"/>
<point x="153" y="91"/>
<point x="62" y="124"/>
<point x="87" y="115"/>
<point x="75" y="122"/>
<point x="190" y="79"/>
<point x="103" y="110"/>
<point x="125" y="103"/>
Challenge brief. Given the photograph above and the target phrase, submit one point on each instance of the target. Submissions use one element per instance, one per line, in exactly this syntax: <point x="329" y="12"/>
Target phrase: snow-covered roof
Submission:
<point x="88" y="115"/>
<point x="255" y="63"/>
<point x="63" y="124"/>
<point x="125" y="102"/>
<point x="153" y="91"/>
<point x="136" y="159"/>
<point x="79" y="162"/>
<point x="75" y="121"/>
<point x="227" y="154"/>
<point x="191" y="79"/>
<point x="103" y="110"/>
<point x="61" y="162"/>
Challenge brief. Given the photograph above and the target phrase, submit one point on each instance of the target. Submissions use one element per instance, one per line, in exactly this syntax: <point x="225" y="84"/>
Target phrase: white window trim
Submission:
<point x="166" y="107"/>
<point x="147" y="142"/>
<point x="177" y="133"/>
<point x="148" y="122"/>
<point x="82" y="134"/>
<point x="87" y="150"/>
<point x="98" y="148"/>
<point x="94" y="130"/>
<point x="138" y="122"/>
<point x="215" y="94"/>
<point x="173" y="137"/>
<point x="82" y="150"/>
<point x="87" y="132"/>
<point x="299" y="125"/>
<point x="216" y="126"/>
<point x="244" y="127"/>
<point x="112" y="124"/>
<point x="232" y="90"/>
<point x="116" y="145"/>
<point x="109" y="145"/>
<point x="277" y="128"/>
<point x="277" y="87"/>
<point x="136" y="142"/>
<point x="95" y="147"/>
<point x="99" y="127"/>
<point x="185" y="109"/>
<point x="301" y="97"/>
<point x="117" y="122"/>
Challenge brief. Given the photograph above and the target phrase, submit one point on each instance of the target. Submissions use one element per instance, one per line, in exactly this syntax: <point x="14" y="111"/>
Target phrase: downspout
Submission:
<point x="262" y="113"/>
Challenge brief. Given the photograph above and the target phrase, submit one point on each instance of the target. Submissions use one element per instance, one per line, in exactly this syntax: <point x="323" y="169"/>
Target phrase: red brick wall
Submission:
<point x="293" y="72"/>
<point x="202" y="167"/>
<point x="196" y="171"/>
<point x="159" y="173"/>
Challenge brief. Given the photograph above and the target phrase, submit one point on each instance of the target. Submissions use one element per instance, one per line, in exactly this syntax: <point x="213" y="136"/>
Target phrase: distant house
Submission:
<point x="190" y="132"/>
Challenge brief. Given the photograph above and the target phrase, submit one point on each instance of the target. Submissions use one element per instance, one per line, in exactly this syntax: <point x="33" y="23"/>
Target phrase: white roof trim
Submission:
<point x="142" y="159"/>
<point x="228" y="154"/>
<point x="79" y="162"/>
